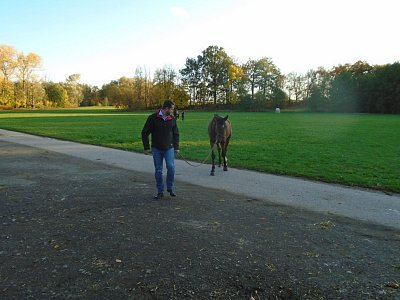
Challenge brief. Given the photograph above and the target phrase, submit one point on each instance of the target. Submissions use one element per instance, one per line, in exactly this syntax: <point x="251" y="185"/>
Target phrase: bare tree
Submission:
<point x="295" y="85"/>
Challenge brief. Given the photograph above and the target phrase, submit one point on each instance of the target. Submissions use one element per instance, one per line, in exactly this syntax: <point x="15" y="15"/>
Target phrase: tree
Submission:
<point x="164" y="81"/>
<point x="278" y="97"/>
<point x="56" y="94"/>
<point x="267" y="79"/>
<point x="112" y="92"/>
<point x="235" y="76"/>
<point x="74" y="90"/>
<point x="129" y="96"/>
<point x="8" y="65"/>
<point x="214" y="63"/>
<point x="167" y="85"/>
<point x="180" y="96"/>
<point x="343" y="93"/>
<point x="8" y="61"/>
<point x="139" y="83"/>
<point x="191" y="77"/>
<point x="295" y="84"/>
<point x="143" y="87"/>
<point x="384" y="89"/>
<point x="347" y="88"/>
<point x="91" y="96"/>
<point x="252" y="74"/>
<point x="264" y="80"/>
<point x="319" y="91"/>
<point x="309" y="82"/>
<point x="147" y="87"/>
<point x="26" y="64"/>
<point x="36" y="93"/>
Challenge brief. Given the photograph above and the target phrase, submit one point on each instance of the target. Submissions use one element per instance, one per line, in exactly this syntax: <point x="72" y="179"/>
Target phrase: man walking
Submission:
<point x="164" y="142"/>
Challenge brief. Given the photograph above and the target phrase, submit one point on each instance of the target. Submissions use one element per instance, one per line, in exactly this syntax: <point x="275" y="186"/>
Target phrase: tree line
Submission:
<point x="212" y="80"/>
<point x="353" y="88"/>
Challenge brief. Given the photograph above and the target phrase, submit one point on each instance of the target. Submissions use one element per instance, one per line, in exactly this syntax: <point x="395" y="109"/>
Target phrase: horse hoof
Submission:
<point x="225" y="169"/>
<point x="212" y="174"/>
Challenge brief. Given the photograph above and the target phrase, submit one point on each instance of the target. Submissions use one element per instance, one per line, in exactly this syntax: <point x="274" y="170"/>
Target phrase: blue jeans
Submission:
<point x="169" y="156"/>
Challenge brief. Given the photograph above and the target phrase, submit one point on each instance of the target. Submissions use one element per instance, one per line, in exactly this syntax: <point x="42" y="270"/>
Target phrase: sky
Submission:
<point x="103" y="40"/>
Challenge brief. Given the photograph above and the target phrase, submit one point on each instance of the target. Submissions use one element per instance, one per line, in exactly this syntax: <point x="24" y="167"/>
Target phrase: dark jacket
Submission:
<point x="164" y="134"/>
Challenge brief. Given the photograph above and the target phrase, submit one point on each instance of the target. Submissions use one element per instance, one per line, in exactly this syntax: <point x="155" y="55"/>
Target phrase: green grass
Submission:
<point x="356" y="150"/>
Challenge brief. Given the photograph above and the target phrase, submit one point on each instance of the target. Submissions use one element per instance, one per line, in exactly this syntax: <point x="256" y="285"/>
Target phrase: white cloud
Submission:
<point x="177" y="11"/>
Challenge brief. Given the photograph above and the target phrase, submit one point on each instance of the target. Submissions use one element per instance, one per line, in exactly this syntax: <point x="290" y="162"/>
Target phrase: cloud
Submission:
<point x="179" y="12"/>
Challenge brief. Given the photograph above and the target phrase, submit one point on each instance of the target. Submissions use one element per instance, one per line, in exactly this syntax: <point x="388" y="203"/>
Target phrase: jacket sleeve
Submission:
<point x="175" y="134"/>
<point x="147" y="129"/>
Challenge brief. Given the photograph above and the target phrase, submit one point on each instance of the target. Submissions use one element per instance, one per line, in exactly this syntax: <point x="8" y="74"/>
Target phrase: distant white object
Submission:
<point x="277" y="110"/>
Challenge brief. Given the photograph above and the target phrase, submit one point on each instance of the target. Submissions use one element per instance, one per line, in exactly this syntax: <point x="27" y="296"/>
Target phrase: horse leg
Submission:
<point x="219" y="154"/>
<point x="224" y="157"/>
<point x="213" y="161"/>
<point x="224" y="154"/>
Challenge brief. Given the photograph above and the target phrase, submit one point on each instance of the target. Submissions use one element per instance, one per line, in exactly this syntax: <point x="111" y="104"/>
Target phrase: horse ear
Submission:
<point x="226" y="118"/>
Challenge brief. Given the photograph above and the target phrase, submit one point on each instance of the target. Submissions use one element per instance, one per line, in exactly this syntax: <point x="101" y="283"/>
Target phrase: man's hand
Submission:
<point x="146" y="152"/>
<point x="177" y="151"/>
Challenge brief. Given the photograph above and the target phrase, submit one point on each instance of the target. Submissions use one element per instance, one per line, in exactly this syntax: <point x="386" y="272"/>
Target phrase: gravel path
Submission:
<point x="361" y="204"/>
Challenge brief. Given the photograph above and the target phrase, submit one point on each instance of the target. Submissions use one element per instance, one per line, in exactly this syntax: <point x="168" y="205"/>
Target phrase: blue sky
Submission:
<point x="106" y="39"/>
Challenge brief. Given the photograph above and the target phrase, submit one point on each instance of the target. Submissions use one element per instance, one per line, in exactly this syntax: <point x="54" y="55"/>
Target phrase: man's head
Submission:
<point x="168" y="107"/>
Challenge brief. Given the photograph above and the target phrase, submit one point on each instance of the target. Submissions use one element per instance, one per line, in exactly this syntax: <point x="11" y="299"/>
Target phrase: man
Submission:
<point x="164" y="142"/>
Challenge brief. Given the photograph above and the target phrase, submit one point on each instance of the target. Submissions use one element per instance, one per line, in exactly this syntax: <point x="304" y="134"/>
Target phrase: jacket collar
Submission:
<point x="168" y="118"/>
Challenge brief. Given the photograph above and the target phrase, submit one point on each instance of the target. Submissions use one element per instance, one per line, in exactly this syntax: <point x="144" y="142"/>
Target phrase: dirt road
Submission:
<point x="78" y="229"/>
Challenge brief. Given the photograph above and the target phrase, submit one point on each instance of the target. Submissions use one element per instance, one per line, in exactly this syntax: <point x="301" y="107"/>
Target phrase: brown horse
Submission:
<point x="219" y="132"/>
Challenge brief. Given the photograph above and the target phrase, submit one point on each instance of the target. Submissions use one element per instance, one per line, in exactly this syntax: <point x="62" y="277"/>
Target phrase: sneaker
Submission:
<point x="159" y="196"/>
<point x="171" y="193"/>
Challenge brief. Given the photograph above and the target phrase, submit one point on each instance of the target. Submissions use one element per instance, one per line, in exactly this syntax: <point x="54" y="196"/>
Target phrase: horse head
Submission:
<point x="220" y="128"/>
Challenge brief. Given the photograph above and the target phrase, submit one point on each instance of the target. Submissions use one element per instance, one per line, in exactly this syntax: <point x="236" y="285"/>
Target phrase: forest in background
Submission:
<point x="212" y="80"/>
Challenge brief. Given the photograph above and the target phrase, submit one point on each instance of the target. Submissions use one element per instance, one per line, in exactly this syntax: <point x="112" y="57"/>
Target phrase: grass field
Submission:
<point x="356" y="150"/>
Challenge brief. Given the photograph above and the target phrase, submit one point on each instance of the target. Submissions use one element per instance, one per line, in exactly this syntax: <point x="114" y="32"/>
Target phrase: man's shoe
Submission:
<point x="159" y="196"/>
<point x="171" y="193"/>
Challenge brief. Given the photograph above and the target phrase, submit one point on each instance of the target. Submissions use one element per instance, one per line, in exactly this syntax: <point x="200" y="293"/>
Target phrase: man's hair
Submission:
<point x="167" y="104"/>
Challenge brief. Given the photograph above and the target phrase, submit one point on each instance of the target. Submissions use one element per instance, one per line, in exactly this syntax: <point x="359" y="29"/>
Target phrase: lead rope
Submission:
<point x="198" y="165"/>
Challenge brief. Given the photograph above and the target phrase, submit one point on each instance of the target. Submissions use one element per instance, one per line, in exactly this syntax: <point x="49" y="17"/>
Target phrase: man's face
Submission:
<point x="169" y="111"/>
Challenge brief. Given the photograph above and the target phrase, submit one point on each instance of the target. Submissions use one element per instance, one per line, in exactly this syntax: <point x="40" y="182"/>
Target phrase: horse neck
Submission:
<point x="228" y="128"/>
